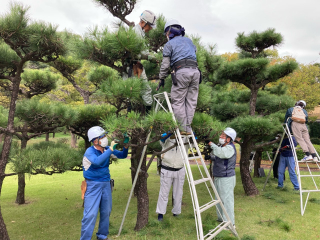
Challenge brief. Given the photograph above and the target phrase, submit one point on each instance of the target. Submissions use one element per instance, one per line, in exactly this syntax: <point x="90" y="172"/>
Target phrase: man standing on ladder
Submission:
<point x="147" y="23"/>
<point x="287" y="160"/>
<point x="224" y="172"/>
<point x="297" y="117"/>
<point x="179" y="53"/>
<point x="172" y="174"/>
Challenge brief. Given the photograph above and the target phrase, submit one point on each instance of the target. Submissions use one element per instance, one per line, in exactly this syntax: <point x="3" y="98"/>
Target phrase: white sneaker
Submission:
<point x="306" y="158"/>
<point x="315" y="159"/>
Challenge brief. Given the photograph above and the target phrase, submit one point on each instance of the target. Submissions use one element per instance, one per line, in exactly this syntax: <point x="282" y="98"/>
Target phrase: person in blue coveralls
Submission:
<point x="97" y="176"/>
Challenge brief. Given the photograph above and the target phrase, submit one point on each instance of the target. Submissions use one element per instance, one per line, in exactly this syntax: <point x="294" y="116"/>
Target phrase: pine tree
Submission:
<point x="21" y="41"/>
<point x="253" y="70"/>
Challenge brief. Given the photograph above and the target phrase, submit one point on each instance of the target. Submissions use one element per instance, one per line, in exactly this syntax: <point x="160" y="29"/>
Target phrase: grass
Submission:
<point x="54" y="210"/>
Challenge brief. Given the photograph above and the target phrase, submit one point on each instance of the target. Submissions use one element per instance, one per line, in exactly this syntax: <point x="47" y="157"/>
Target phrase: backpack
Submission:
<point x="298" y="115"/>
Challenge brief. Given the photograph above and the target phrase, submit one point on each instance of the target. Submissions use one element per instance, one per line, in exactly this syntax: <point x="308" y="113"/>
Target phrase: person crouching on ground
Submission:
<point x="224" y="172"/>
<point x="172" y="174"/>
<point x="97" y="176"/>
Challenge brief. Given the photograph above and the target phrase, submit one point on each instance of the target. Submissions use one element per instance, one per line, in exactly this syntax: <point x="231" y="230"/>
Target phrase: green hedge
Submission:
<point x="314" y="129"/>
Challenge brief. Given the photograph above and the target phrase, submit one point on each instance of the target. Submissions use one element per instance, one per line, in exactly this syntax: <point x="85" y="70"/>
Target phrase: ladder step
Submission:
<point x="208" y="205"/>
<point x="213" y="232"/>
<point x="309" y="175"/>
<point x="194" y="158"/>
<point x="201" y="180"/>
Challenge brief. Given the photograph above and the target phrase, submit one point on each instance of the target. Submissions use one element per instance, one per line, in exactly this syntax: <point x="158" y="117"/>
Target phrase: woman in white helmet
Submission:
<point x="296" y="118"/>
<point x="98" y="196"/>
<point x="224" y="173"/>
<point x="179" y="54"/>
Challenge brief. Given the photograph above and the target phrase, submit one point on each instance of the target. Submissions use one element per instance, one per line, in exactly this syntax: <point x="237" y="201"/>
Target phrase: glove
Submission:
<point x="126" y="138"/>
<point x="161" y="83"/>
<point x="207" y="157"/>
<point x="286" y="146"/>
<point x="207" y="141"/>
<point x="113" y="145"/>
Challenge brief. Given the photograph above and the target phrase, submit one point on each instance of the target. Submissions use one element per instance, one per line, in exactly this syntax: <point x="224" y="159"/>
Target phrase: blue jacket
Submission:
<point x="287" y="152"/>
<point x="96" y="164"/>
<point x="225" y="167"/>
<point x="289" y="115"/>
<point x="179" y="48"/>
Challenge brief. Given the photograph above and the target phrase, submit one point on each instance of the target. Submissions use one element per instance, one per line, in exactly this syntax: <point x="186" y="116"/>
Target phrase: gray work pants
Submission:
<point x="301" y="134"/>
<point x="168" y="179"/>
<point x="184" y="96"/>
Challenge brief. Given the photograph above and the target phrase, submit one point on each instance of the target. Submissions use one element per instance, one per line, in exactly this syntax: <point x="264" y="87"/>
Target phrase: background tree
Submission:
<point x="254" y="71"/>
<point x="21" y="41"/>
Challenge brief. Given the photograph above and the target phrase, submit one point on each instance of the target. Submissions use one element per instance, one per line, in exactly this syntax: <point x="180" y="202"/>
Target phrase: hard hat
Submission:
<point x="95" y="132"/>
<point x="303" y="102"/>
<point x="230" y="132"/>
<point x="170" y="23"/>
<point x="149" y="18"/>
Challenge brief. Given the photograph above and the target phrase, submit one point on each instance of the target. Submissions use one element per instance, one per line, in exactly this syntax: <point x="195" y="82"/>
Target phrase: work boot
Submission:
<point x="185" y="133"/>
<point x="175" y="215"/>
<point x="160" y="217"/>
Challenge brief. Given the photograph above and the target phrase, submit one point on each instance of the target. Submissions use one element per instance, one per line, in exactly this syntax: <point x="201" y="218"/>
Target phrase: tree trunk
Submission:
<point x="47" y="137"/>
<point x="253" y="101"/>
<point x="53" y="134"/>
<point x="73" y="140"/>
<point x="248" y="185"/>
<point x="20" y="199"/>
<point x="87" y="144"/>
<point x="141" y="190"/>
<point x="3" y="230"/>
<point x="257" y="162"/>
<point x="7" y="142"/>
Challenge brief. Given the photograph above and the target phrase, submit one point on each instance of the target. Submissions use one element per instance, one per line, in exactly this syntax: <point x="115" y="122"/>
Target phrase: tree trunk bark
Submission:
<point x="3" y="230"/>
<point x="20" y="199"/>
<point x="7" y="142"/>
<point x="87" y="144"/>
<point x="248" y="185"/>
<point x="47" y="137"/>
<point x="53" y="134"/>
<point x="73" y="140"/>
<point x="253" y="101"/>
<point x="140" y="190"/>
<point x="257" y="162"/>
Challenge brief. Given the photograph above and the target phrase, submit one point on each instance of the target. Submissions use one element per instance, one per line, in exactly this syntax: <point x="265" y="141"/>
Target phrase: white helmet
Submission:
<point x="95" y="132"/>
<point x="171" y="23"/>
<point x="303" y="102"/>
<point x="149" y="18"/>
<point x="230" y="132"/>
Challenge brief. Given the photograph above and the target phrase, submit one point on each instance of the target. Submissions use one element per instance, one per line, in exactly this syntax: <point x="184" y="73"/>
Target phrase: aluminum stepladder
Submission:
<point x="205" y="177"/>
<point x="163" y="101"/>
<point x="303" y="205"/>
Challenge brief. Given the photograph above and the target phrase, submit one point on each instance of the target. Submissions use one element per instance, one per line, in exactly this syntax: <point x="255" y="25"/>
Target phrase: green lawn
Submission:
<point x="54" y="210"/>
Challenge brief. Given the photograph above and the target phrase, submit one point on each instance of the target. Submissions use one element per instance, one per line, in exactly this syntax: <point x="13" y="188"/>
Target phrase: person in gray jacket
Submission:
<point x="172" y="174"/>
<point x="179" y="53"/>
<point x="224" y="172"/>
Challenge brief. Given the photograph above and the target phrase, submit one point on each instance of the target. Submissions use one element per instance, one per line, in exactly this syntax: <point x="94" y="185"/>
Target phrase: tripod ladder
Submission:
<point x="303" y="179"/>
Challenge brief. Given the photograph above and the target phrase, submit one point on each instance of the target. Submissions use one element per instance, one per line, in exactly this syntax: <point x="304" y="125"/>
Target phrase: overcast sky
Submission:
<point x="216" y="21"/>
